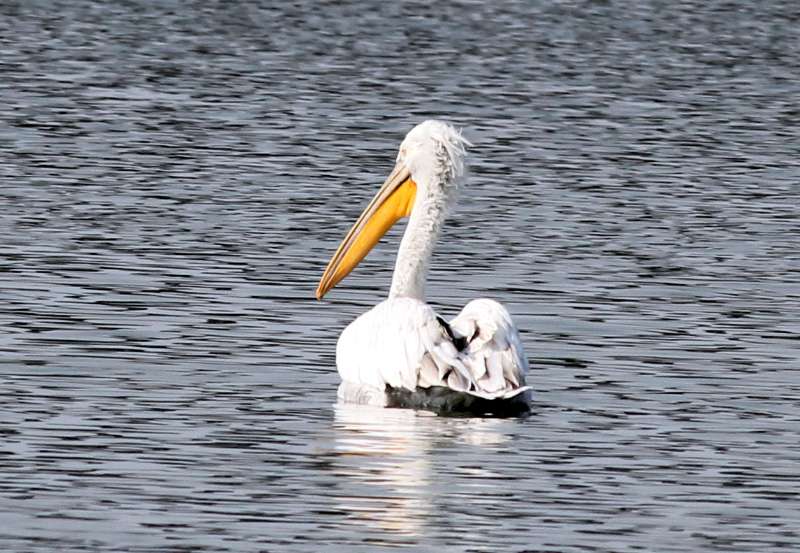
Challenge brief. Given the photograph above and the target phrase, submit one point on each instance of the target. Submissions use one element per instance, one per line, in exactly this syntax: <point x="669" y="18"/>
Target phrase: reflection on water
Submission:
<point x="387" y="453"/>
<point x="382" y="452"/>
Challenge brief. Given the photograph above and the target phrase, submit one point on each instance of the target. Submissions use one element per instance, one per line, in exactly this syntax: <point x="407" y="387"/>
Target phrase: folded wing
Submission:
<point x="402" y="343"/>
<point x="493" y="352"/>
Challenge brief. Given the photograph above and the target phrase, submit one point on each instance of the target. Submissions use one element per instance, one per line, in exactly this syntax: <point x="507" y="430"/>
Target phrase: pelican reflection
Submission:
<point x="387" y="466"/>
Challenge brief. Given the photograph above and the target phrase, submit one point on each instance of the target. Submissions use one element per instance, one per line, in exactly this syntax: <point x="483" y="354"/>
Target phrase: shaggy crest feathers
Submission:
<point x="447" y="142"/>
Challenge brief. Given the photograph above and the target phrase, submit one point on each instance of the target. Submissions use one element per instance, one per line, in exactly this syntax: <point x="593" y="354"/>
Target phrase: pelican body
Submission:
<point x="400" y="353"/>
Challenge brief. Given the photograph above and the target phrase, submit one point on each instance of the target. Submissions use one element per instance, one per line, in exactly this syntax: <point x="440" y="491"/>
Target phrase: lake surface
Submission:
<point x="175" y="175"/>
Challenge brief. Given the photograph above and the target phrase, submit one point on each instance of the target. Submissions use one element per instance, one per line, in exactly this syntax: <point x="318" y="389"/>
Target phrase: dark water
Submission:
<point x="175" y="176"/>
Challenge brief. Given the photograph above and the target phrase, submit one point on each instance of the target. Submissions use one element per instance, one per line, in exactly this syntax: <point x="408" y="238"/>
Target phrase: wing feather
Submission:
<point x="494" y="343"/>
<point x="428" y="372"/>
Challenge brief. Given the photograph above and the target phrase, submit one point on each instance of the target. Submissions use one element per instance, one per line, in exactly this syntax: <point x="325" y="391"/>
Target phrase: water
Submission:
<point x="176" y="175"/>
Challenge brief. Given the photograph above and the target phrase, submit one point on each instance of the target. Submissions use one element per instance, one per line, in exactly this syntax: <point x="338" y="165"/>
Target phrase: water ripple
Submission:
<point x="174" y="179"/>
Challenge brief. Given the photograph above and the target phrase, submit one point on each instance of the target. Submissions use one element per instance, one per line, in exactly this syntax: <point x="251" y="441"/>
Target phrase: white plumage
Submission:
<point x="401" y="344"/>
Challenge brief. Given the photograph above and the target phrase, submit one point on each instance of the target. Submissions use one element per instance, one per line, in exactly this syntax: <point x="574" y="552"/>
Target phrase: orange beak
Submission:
<point x="394" y="200"/>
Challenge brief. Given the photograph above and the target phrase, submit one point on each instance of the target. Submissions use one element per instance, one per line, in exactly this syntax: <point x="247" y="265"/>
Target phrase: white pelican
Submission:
<point x="400" y="353"/>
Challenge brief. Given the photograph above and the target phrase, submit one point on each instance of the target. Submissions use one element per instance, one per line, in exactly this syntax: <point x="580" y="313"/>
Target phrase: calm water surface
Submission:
<point x="174" y="177"/>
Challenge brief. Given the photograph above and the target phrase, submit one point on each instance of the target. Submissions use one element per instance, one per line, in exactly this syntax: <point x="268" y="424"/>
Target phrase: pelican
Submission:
<point x="400" y="352"/>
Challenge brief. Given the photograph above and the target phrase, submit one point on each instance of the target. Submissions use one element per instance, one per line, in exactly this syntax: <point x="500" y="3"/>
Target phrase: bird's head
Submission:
<point x="433" y="152"/>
